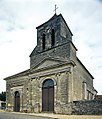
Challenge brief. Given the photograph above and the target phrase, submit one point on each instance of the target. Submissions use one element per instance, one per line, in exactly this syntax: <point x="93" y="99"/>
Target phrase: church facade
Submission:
<point x="56" y="76"/>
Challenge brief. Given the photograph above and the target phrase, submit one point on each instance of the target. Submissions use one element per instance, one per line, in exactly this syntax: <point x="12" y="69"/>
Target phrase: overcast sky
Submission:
<point x="18" y="22"/>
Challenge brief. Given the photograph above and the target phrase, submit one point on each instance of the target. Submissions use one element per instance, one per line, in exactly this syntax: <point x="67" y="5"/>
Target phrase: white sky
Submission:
<point x="18" y="22"/>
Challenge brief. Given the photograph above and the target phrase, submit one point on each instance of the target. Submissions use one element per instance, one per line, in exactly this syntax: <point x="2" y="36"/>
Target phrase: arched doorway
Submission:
<point x="17" y="102"/>
<point x="48" y="96"/>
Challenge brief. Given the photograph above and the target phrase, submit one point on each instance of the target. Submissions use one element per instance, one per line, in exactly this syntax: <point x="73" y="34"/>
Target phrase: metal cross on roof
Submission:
<point x="55" y="8"/>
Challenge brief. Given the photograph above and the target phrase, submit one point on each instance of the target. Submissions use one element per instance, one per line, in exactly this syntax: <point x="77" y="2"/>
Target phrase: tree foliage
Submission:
<point x="3" y="96"/>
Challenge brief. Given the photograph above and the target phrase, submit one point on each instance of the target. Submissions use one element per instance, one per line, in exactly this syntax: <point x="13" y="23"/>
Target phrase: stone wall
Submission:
<point x="89" y="107"/>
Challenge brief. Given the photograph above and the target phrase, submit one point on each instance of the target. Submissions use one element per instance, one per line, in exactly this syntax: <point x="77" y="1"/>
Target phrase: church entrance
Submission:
<point x="48" y="96"/>
<point x="17" y="102"/>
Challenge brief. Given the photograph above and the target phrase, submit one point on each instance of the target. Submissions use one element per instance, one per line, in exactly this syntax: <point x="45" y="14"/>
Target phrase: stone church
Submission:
<point x="56" y="77"/>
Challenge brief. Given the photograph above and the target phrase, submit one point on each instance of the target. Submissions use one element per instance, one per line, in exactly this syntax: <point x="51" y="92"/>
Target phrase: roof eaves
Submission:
<point x="85" y="68"/>
<point x="24" y="73"/>
<point x="65" y="23"/>
<point x="53" y="17"/>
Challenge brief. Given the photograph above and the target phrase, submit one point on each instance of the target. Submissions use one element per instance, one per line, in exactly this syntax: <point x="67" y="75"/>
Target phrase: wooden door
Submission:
<point x="17" y="102"/>
<point x="48" y="96"/>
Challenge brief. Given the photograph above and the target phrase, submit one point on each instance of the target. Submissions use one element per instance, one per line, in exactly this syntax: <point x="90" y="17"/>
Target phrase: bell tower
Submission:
<point x="53" y="38"/>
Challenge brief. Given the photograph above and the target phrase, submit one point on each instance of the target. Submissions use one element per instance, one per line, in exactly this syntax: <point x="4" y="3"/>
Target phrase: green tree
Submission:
<point x="3" y="96"/>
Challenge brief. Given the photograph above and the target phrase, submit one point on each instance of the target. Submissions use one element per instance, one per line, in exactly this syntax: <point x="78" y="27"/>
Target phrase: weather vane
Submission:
<point x="55" y="8"/>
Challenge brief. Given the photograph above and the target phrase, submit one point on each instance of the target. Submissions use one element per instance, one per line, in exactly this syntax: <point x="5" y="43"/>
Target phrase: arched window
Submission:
<point x="53" y="37"/>
<point x="43" y="41"/>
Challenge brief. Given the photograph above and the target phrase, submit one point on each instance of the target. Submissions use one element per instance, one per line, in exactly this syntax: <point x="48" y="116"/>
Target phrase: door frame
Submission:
<point x="17" y="101"/>
<point x="49" y="88"/>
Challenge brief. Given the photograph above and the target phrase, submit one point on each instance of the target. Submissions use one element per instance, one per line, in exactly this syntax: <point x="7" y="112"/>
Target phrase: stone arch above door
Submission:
<point x="41" y="82"/>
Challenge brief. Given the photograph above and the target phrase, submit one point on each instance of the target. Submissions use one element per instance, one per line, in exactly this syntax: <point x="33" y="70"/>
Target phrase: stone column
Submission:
<point x="30" y="94"/>
<point x="8" y="96"/>
<point x="70" y="85"/>
<point x="58" y="95"/>
<point x="27" y="99"/>
<point x="36" y="95"/>
<point x="21" y="98"/>
<point x="64" y="88"/>
<point x="85" y="90"/>
<point x="12" y="99"/>
<point x="67" y="85"/>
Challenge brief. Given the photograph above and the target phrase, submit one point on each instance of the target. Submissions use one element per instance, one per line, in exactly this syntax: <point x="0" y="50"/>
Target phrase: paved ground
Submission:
<point x="56" y="116"/>
<point x="9" y="115"/>
<point x="13" y="115"/>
